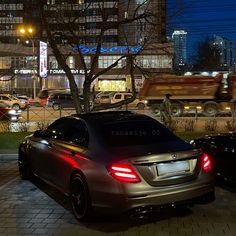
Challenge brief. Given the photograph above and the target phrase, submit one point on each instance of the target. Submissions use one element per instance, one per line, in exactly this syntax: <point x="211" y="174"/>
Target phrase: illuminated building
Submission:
<point x="180" y="48"/>
<point x="16" y="51"/>
<point x="226" y="49"/>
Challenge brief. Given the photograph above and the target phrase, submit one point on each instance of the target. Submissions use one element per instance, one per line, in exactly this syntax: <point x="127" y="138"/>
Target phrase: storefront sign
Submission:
<point x="114" y="50"/>
<point x="25" y="72"/>
<point x="42" y="59"/>
<point x="52" y="72"/>
<point x="58" y="72"/>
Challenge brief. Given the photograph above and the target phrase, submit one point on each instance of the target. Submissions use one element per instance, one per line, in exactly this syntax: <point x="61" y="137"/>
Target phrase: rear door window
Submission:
<point x="62" y="96"/>
<point x="118" y="96"/>
<point x="128" y="96"/>
<point x="58" y="129"/>
<point x="5" y="98"/>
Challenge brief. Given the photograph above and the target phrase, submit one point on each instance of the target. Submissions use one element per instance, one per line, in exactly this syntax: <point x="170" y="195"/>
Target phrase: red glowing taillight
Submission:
<point x="206" y="162"/>
<point x="123" y="172"/>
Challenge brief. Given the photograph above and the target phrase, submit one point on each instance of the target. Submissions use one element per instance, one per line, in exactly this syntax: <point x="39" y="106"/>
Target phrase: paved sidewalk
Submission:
<point x="8" y="154"/>
<point x="34" y="208"/>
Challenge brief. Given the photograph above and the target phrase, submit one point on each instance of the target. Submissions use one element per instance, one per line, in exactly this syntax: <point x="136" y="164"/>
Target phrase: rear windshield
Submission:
<point x="43" y="94"/>
<point x="133" y="133"/>
<point x="46" y="93"/>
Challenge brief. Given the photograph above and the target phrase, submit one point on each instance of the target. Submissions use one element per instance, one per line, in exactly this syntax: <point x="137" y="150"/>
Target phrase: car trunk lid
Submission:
<point x="164" y="165"/>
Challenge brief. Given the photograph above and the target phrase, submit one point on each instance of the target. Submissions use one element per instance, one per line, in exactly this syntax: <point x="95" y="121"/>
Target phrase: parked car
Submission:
<point x="24" y="99"/>
<point x="45" y="93"/>
<point x="60" y="100"/>
<point x="117" y="161"/>
<point x="63" y="100"/>
<point x="12" y="101"/>
<point x="120" y="96"/>
<point x="7" y="113"/>
<point x="104" y="97"/>
<point x="222" y="148"/>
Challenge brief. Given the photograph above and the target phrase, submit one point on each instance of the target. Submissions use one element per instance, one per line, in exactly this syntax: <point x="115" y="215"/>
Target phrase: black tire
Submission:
<point x="140" y="106"/>
<point x="80" y="199"/>
<point x="24" y="165"/>
<point x="16" y="106"/>
<point x="176" y="109"/>
<point x="156" y="109"/>
<point x="210" y="109"/>
<point x="56" y="106"/>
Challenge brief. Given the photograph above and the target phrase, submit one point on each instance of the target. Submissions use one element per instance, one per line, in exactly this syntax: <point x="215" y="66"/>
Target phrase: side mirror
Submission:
<point x="39" y="133"/>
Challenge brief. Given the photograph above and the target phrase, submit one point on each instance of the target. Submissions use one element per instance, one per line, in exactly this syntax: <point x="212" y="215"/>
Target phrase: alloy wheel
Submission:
<point x="79" y="198"/>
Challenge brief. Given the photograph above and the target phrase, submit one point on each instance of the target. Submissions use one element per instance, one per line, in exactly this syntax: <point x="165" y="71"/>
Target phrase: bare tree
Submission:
<point x="134" y="13"/>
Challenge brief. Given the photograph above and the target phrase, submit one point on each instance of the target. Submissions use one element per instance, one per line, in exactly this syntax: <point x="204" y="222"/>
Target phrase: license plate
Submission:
<point x="172" y="168"/>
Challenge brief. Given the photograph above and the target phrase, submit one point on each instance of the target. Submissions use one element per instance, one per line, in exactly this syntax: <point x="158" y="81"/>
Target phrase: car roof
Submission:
<point x="110" y="116"/>
<point x="59" y="94"/>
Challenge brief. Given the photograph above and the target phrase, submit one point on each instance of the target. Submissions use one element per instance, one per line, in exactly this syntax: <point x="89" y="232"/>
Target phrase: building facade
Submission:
<point x="227" y="50"/>
<point x="18" y="54"/>
<point x="179" y="38"/>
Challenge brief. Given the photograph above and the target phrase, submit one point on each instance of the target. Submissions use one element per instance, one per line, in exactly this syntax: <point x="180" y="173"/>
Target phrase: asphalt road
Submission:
<point x="34" y="208"/>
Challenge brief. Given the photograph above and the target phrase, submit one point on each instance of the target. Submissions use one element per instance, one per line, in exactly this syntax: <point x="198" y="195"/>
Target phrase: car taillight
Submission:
<point x="206" y="162"/>
<point x="123" y="172"/>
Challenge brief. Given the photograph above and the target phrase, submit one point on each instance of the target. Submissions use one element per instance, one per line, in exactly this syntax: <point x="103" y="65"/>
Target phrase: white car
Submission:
<point x="120" y="96"/>
<point x="104" y="97"/>
<point x="12" y="101"/>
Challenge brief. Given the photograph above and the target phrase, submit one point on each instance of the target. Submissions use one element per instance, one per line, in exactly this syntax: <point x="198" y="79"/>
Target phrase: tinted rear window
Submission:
<point x="133" y="133"/>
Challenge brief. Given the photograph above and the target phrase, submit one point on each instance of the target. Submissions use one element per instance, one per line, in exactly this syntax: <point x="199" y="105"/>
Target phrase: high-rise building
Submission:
<point x="86" y="20"/>
<point x="226" y="48"/>
<point x="14" y="13"/>
<point x="180" y="48"/>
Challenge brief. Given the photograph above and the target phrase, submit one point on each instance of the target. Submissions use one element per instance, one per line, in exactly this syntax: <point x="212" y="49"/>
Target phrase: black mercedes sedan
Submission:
<point x="117" y="161"/>
<point x="222" y="149"/>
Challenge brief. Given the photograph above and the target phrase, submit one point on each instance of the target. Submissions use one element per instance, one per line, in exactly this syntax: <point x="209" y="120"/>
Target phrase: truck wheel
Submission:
<point x="210" y="109"/>
<point x="156" y="109"/>
<point x="176" y="109"/>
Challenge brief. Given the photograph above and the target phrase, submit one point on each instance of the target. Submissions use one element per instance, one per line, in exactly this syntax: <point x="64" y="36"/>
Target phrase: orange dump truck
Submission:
<point x="207" y="94"/>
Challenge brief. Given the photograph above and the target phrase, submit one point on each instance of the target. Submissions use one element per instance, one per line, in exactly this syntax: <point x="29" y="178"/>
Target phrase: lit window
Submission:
<point x="106" y="61"/>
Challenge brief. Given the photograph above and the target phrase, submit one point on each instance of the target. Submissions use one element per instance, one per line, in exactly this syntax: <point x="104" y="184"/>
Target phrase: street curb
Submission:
<point x="12" y="156"/>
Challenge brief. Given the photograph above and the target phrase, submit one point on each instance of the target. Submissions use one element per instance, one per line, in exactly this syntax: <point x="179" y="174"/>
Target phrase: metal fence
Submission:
<point x="33" y="118"/>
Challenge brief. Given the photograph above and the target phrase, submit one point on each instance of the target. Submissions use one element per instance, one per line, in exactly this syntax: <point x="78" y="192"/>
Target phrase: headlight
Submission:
<point x="14" y="118"/>
<point x="12" y="112"/>
<point x="192" y="142"/>
<point x="145" y="101"/>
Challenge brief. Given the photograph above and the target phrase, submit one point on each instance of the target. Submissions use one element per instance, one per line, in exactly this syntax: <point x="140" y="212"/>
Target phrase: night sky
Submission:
<point x="201" y="18"/>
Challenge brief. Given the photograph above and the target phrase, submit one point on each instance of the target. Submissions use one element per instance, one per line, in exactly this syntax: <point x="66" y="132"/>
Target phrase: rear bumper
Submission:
<point x="156" y="199"/>
<point x="140" y="211"/>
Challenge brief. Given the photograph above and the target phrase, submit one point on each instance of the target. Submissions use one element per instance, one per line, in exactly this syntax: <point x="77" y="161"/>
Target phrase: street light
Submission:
<point x="28" y="32"/>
